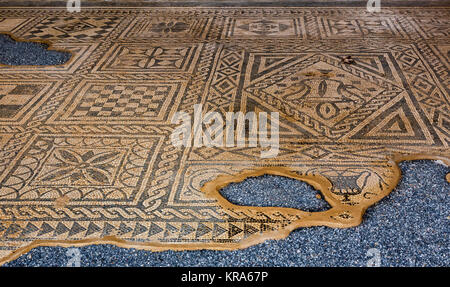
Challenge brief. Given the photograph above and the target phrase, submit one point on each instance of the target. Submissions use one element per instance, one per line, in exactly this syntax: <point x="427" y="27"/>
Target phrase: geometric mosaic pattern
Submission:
<point x="132" y="57"/>
<point x="145" y="101"/>
<point x="14" y="98"/>
<point x="86" y="155"/>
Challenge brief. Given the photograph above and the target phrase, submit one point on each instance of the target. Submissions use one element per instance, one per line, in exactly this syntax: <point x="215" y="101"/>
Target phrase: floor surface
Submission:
<point x="94" y="104"/>
<point x="410" y="227"/>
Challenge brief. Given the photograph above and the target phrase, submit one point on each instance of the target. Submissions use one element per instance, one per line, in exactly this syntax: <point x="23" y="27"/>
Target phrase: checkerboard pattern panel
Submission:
<point x="122" y="101"/>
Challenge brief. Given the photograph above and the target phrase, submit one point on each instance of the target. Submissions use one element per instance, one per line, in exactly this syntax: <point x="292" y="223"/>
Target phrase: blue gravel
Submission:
<point x="271" y="190"/>
<point x="28" y="53"/>
<point x="410" y="227"/>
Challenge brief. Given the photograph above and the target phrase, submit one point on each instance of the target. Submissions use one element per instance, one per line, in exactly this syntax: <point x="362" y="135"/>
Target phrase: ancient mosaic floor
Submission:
<point x="86" y="155"/>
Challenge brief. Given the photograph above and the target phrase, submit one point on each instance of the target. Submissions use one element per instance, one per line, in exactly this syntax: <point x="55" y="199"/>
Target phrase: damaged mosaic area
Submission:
<point x="86" y="155"/>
